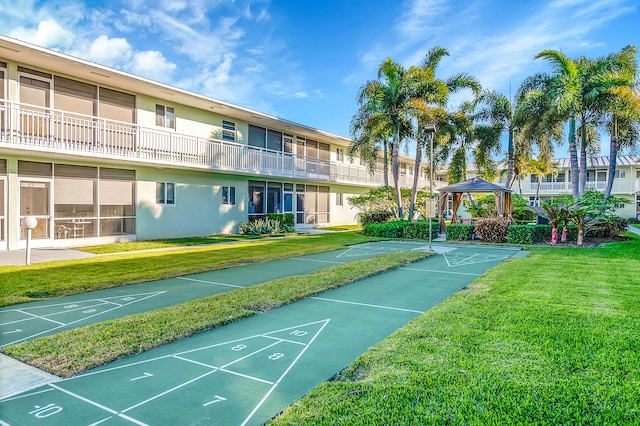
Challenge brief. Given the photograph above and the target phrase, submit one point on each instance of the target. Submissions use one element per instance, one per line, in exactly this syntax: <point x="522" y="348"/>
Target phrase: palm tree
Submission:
<point x="499" y="112"/>
<point x="428" y="107"/>
<point x="575" y="89"/>
<point x="384" y="103"/>
<point x="369" y="137"/>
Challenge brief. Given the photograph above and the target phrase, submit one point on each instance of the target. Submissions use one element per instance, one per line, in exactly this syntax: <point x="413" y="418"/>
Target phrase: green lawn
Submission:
<point x="52" y="279"/>
<point x="549" y="339"/>
<point x="165" y="243"/>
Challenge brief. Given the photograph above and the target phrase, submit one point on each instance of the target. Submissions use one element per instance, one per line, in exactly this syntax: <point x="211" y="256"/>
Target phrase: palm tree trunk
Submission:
<point x="573" y="156"/>
<point x="395" y="166"/>
<point x="583" y="159"/>
<point x="385" y="163"/>
<point x="613" y="158"/>
<point x="509" y="159"/>
<point x="414" y="187"/>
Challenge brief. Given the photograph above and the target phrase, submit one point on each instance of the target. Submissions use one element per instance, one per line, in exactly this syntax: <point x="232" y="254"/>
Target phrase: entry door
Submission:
<point x="35" y="200"/>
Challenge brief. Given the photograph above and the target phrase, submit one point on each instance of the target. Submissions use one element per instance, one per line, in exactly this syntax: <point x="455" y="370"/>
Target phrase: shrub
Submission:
<point x="492" y="229"/>
<point x="459" y="232"/>
<point x="261" y="227"/>
<point x="286" y="220"/>
<point x="420" y="230"/>
<point x="520" y="234"/>
<point x="608" y="228"/>
<point x="374" y="216"/>
<point x="385" y="230"/>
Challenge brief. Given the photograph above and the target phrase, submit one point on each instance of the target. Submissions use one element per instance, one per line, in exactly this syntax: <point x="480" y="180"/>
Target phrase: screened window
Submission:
<point x="165" y="117"/>
<point x="339" y="199"/>
<point x="620" y="174"/>
<point x="274" y="140"/>
<point x="228" y="131"/>
<point x="228" y="195"/>
<point x="257" y="136"/>
<point x="339" y="154"/>
<point x="166" y="193"/>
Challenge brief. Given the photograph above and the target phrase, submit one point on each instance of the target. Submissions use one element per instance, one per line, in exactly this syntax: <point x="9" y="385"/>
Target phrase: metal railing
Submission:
<point x="38" y="128"/>
<point x="620" y="186"/>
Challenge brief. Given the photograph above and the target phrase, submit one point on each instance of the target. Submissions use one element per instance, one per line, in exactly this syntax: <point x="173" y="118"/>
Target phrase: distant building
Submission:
<point x="626" y="184"/>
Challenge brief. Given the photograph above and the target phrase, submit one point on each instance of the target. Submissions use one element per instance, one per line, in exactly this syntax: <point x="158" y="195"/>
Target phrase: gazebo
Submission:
<point x="503" y="198"/>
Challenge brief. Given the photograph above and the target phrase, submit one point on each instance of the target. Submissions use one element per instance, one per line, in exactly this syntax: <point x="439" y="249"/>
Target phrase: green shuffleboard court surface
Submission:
<point x="249" y="371"/>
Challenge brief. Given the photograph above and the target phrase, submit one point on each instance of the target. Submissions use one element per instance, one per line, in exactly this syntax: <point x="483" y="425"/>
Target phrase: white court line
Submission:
<point x="83" y="318"/>
<point x="16" y="321"/>
<point x="26" y="395"/>
<point x="367" y="304"/>
<point x="257" y="407"/>
<point x="132" y="420"/>
<point x="100" y="421"/>
<point x="40" y="317"/>
<point x="284" y="340"/>
<point x="235" y="373"/>
<point x="168" y="391"/>
<point x="194" y="362"/>
<point x="210" y="282"/>
<point x="82" y="398"/>
<point x="315" y="260"/>
<point x="440" y="272"/>
<point x="251" y="354"/>
<point x="345" y="252"/>
<point x="476" y="262"/>
<point x="110" y="302"/>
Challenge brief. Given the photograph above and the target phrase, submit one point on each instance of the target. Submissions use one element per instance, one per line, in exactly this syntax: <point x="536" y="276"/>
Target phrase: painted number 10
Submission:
<point x="46" y="411"/>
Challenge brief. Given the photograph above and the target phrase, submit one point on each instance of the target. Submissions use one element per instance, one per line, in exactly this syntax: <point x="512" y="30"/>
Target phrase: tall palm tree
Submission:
<point x="369" y="137"/>
<point x="429" y="103"/>
<point x="384" y="103"/>
<point x="576" y="88"/>
<point x="496" y="109"/>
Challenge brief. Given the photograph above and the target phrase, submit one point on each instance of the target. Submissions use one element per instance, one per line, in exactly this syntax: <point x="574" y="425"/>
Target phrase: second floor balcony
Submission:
<point x="620" y="186"/>
<point x="38" y="129"/>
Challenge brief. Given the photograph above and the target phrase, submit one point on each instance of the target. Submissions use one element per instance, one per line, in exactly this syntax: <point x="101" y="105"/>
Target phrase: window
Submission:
<point x="339" y="199"/>
<point x="165" y="193"/>
<point x="620" y="174"/>
<point x="339" y="154"/>
<point x="228" y="131"/>
<point x="228" y="195"/>
<point x="165" y="117"/>
<point x="257" y="136"/>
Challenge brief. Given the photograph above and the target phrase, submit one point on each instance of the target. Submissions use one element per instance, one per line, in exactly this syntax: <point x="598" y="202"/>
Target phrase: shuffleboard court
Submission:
<point x="30" y="320"/>
<point x="247" y="372"/>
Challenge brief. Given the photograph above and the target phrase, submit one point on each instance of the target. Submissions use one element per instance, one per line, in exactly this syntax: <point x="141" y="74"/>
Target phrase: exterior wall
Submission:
<point x="345" y="214"/>
<point x="198" y="208"/>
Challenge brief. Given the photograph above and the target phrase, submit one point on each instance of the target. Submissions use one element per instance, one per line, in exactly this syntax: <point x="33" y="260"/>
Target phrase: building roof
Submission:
<point x="474" y="185"/>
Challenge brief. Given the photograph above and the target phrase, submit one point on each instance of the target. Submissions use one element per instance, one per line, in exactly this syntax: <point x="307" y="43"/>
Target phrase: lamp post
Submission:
<point x="29" y="222"/>
<point x="431" y="129"/>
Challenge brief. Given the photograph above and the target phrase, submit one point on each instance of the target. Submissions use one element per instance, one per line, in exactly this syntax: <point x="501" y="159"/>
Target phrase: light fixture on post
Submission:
<point x="431" y="130"/>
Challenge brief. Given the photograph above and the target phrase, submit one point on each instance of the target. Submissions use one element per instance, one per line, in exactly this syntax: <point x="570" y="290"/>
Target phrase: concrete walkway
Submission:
<point x="633" y="229"/>
<point x="18" y="257"/>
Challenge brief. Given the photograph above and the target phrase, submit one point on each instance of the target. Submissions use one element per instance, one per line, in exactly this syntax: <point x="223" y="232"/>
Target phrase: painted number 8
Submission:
<point x="275" y="356"/>
<point x="238" y="347"/>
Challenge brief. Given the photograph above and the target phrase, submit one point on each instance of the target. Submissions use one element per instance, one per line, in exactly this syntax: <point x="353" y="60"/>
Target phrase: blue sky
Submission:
<point x="305" y="60"/>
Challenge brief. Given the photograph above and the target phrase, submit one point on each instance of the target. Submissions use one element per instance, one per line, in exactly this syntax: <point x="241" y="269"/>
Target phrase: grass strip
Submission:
<point x="163" y="243"/>
<point x="53" y="279"/>
<point x="548" y="339"/>
<point x="73" y="351"/>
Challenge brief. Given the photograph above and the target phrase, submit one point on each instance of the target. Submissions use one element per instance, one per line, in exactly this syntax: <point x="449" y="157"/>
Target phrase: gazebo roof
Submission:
<point x="474" y="185"/>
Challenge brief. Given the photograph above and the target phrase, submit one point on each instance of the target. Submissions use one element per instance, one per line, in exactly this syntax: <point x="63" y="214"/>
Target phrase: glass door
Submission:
<point x="35" y="200"/>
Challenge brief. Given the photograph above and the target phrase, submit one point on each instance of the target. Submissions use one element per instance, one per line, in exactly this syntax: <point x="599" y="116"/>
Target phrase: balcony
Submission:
<point x="620" y="186"/>
<point x="53" y="131"/>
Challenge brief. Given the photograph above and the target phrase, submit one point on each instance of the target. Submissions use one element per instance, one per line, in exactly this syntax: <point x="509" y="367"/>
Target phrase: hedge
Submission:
<point x="402" y="229"/>
<point x="460" y="232"/>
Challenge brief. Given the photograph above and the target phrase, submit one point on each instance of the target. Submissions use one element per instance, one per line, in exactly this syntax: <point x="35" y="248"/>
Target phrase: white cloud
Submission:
<point x="152" y="64"/>
<point x="113" y="52"/>
<point x="49" y="33"/>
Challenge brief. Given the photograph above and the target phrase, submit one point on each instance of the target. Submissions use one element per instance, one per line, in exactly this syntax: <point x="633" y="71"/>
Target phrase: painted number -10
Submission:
<point x="46" y="411"/>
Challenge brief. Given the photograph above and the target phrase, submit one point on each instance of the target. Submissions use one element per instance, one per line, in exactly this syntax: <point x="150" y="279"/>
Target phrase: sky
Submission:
<point x="305" y="60"/>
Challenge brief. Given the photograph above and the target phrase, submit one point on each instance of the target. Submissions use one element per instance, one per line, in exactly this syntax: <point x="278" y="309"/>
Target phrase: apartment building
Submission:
<point x="98" y="155"/>
<point x="626" y="183"/>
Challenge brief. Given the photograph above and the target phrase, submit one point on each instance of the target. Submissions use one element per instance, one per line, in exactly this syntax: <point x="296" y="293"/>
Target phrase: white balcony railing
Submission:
<point x="620" y="186"/>
<point x="52" y="130"/>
